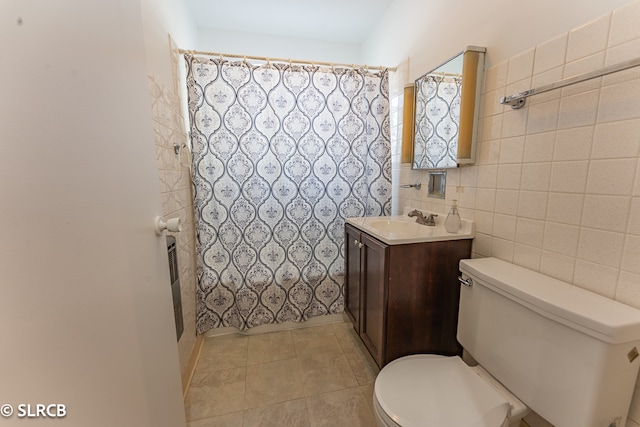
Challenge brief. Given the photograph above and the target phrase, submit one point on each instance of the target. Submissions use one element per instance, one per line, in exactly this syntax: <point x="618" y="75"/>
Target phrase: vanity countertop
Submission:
<point x="401" y="229"/>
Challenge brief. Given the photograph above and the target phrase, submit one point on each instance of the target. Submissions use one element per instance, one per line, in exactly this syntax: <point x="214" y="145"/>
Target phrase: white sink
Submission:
<point x="402" y="229"/>
<point x="400" y="226"/>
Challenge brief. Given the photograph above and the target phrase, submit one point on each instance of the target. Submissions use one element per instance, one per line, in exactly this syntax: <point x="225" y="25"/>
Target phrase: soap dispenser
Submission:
<point x="453" y="222"/>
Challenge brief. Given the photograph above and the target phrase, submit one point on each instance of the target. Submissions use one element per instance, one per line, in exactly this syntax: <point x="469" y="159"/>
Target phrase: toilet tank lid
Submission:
<point x="603" y="318"/>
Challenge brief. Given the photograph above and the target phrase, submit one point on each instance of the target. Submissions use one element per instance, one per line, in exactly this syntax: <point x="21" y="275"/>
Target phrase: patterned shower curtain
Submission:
<point x="437" y="122"/>
<point x="281" y="155"/>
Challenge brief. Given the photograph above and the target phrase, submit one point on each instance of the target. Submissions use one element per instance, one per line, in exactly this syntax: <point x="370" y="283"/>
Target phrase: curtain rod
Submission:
<point x="442" y="73"/>
<point x="290" y="61"/>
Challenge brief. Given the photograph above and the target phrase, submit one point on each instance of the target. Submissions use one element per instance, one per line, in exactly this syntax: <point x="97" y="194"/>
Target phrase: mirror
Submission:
<point x="446" y="100"/>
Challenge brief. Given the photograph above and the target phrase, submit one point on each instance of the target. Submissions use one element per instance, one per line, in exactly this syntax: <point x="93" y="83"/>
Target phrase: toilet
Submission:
<point x="540" y="344"/>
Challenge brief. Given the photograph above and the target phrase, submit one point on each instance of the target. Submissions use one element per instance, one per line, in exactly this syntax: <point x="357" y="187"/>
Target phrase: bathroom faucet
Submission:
<point x="420" y="219"/>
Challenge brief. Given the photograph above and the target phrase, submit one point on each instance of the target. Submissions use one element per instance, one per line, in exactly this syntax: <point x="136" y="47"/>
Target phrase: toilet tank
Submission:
<point x="569" y="354"/>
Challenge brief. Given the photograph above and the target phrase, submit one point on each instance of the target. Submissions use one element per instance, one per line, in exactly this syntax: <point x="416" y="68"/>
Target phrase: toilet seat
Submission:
<point x="428" y="390"/>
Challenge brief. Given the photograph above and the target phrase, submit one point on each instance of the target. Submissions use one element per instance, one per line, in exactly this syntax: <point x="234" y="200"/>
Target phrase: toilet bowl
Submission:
<point x="429" y="390"/>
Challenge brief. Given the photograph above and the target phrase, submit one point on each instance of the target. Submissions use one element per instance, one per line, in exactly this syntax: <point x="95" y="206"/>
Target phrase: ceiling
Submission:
<point x="344" y="21"/>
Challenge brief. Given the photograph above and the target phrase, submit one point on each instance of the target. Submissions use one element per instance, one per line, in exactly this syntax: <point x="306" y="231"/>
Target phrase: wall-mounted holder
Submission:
<point x="177" y="149"/>
<point x="417" y="186"/>
<point x="172" y="225"/>
<point x="515" y="101"/>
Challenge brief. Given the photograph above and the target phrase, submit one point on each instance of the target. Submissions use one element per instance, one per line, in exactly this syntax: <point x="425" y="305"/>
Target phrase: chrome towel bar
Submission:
<point x="517" y="100"/>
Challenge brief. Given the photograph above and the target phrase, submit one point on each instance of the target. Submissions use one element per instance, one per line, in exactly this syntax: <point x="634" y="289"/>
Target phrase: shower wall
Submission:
<point x="177" y="200"/>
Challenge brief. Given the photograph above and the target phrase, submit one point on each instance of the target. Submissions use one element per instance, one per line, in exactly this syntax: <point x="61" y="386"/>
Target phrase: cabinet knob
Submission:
<point x="358" y="244"/>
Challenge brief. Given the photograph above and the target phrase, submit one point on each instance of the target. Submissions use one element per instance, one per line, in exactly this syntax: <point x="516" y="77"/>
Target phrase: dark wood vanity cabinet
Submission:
<point x="366" y="288"/>
<point x="403" y="299"/>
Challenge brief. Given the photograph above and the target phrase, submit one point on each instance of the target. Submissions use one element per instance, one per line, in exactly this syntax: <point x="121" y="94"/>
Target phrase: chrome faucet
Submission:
<point x="431" y="220"/>
<point x="420" y="219"/>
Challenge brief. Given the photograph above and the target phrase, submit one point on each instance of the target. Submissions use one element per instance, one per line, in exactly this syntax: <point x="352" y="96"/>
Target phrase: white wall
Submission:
<point x="175" y="18"/>
<point x="242" y="43"/>
<point x="431" y="32"/>
<point x="85" y="306"/>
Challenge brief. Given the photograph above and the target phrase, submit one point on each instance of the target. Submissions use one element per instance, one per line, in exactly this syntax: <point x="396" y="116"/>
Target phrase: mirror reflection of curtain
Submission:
<point x="437" y="121"/>
<point x="281" y="155"/>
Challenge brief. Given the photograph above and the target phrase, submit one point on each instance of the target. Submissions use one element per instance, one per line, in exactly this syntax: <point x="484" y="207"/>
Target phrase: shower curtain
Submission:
<point x="437" y="121"/>
<point x="281" y="155"/>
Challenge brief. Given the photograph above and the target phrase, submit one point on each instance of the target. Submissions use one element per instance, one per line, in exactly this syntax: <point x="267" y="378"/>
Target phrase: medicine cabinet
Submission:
<point x="446" y="104"/>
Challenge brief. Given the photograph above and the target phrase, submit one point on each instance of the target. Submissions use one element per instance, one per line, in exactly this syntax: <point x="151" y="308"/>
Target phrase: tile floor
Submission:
<point x="316" y="376"/>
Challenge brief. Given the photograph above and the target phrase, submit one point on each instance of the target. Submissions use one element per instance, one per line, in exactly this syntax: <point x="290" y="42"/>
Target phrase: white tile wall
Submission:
<point x="569" y="176"/>
<point x="628" y="289"/>
<point x="573" y="144"/>
<point x="556" y="186"/>
<point x="550" y="55"/>
<point x="561" y="238"/>
<point x="588" y="39"/>
<point x="512" y="150"/>
<point x="530" y="232"/>
<point x="177" y="200"/>
<point x="624" y="24"/>
<point x="616" y="140"/>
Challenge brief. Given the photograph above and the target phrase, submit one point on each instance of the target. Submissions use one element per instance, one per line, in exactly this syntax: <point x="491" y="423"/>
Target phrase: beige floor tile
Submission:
<point x="292" y="413"/>
<point x="229" y="420"/>
<point x="215" y="393"/>
<point x="345" y="408"/>
<point x="270" y="347"/>
<point x="316" y="341"/>
<point x="262" y="380"/>
<point x="324" y="374"/>
<point x="346" y="335"/>
<point x="362" y="364"/>
<point x="224" y="344"/>
<point x="224" y="352"/>
<point x="367" y="392"/>
<point x="272" y="382"/>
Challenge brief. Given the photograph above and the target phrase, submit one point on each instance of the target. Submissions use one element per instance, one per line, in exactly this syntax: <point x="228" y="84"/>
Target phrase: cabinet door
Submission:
<point x="353" y="261"/>
<point x="374" y="297"/>
<point x="423" y="296"/>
